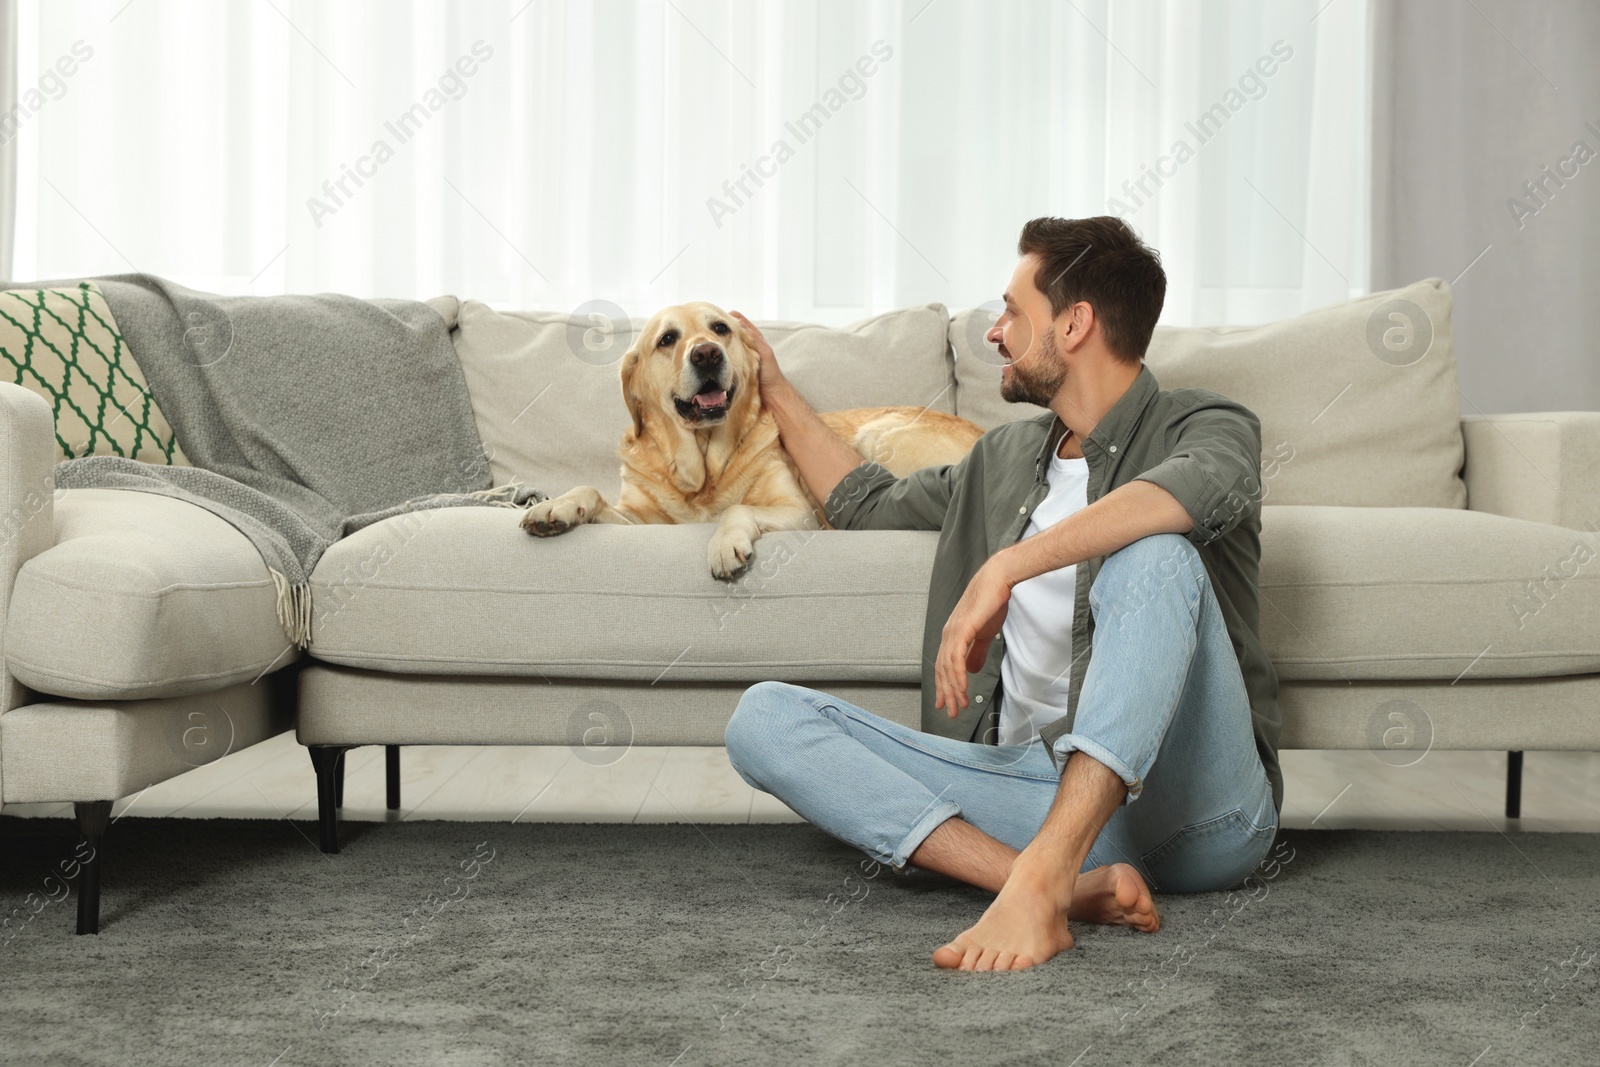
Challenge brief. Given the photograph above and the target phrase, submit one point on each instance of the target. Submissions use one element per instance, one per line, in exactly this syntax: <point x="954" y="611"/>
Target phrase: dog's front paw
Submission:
<point x="730" y="554"/>
<point x="550" y="517"/>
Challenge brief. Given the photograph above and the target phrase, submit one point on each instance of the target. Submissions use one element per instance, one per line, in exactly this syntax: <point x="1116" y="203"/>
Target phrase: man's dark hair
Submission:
<point x="1102" y="262"/>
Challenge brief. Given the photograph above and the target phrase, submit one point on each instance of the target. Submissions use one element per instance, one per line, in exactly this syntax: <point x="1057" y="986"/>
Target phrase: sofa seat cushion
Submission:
<point x="1351" y="594"/>
<point x="142" y="596"/>
<point x="1348" y="594"/>
<point x="465" y="591"/>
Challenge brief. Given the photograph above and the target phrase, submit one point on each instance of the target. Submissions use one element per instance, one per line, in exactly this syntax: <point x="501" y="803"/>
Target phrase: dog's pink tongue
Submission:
<point x="711" y="400"/>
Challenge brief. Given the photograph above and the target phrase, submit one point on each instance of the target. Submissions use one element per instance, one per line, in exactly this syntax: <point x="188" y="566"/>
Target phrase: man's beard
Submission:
<point x="1039" y="383"/>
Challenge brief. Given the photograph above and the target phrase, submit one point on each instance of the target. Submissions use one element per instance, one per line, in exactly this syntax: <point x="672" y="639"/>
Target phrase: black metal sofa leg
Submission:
<point x="1513" y="785"/>
<point x="93" y="818"/>
<point x="391" y="766"/>
<point x="338" y="782"/>
<point x="327" y="761"/>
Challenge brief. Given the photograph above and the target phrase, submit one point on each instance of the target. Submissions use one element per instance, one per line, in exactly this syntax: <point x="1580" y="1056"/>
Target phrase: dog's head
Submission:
<point x="689" y="364"/>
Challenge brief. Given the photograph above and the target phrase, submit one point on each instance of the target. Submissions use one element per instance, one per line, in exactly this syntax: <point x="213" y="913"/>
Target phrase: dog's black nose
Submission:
<point x="706" y="356"/>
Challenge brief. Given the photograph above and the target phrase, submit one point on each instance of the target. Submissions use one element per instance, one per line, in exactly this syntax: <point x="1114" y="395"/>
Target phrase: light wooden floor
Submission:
<point x="1443" y="791"/>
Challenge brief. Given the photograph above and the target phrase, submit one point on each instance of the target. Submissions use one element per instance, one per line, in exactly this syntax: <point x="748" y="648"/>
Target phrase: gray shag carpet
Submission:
<point x="236" y="942"/>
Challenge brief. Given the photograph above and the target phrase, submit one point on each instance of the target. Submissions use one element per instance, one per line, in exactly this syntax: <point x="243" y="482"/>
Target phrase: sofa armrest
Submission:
<point x="27" y="498"/>
<point x="1544" y="467"/>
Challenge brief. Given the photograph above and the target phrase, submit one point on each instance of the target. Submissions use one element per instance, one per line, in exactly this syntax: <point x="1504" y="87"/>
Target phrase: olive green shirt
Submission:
<point x="1199" y="446"/>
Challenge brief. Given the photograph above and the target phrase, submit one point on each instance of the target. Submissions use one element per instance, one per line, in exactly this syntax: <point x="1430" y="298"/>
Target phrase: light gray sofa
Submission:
<point x="1427" y="580"/>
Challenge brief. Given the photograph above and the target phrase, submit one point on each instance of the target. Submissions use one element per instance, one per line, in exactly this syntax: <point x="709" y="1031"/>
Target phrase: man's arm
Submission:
<point x="1214" y="470"/>
<point x="1121" y="517"/>
<point x="822" y="456"/>
<point x="1202" y="490"/>
<point x="854" y="493"/>
<point x="1118" y="519"/>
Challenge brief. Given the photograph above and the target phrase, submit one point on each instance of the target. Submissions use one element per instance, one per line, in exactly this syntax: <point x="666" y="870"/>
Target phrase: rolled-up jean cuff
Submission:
<point x="1066" y="743"/>
<point x="935" y="813"/>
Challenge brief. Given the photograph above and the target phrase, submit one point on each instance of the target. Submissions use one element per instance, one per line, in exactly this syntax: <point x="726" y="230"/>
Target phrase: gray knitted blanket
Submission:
<point x="306" y="418"/>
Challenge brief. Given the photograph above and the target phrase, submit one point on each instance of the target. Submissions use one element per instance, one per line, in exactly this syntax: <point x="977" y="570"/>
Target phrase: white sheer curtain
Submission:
<point x="8" y="133"/>
<point x="585" y="155"/>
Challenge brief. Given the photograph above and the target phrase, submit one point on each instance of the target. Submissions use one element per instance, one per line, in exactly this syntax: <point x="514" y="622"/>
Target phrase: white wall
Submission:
<point x="1471" y="101"/>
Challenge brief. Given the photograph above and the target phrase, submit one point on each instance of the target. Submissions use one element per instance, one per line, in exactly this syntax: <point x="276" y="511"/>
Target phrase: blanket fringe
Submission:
<point x="294" y="609"/>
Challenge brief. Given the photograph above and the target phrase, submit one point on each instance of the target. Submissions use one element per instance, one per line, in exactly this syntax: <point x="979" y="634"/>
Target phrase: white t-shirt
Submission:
<point x="1036" y="668"/>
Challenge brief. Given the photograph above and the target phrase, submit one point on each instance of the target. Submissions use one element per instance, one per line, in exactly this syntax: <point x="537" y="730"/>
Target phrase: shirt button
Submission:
<point x="978" y="699"/>
<point x="1023" y="510"/>
<point x="1113" y="448"/>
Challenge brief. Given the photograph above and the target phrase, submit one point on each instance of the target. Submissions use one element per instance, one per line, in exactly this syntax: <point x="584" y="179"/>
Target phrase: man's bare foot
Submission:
<point x="1024" y="926"/>
<point x="1117" y="896"/>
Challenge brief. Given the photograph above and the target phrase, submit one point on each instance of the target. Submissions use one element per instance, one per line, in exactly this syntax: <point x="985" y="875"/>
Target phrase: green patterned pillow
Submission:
<point x="63" y="345"/>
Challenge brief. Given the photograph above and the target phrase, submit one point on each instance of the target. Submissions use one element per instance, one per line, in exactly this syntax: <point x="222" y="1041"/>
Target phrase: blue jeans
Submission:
<point x="1162" y="704"/>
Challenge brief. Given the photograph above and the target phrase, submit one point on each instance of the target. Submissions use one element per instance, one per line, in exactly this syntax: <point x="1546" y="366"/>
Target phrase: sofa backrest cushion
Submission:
<point x="1357" y="401"/>
<point x="548" y="399"/>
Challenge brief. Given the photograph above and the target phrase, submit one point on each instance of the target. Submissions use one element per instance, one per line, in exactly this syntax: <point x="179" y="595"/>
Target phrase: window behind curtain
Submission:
<point x="545" y="155"/>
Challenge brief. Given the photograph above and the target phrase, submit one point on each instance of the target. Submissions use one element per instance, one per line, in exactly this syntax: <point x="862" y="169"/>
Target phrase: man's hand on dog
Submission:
<point x="770" y="376"/>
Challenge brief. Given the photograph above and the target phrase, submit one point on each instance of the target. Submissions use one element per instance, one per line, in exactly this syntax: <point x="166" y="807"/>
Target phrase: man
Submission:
<point x="1097" y="576"/>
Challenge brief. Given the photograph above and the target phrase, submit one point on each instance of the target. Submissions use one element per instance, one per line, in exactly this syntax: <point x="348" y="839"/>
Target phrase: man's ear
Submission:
<point x="1077" y="322"/>
<point x="630" y="364"/>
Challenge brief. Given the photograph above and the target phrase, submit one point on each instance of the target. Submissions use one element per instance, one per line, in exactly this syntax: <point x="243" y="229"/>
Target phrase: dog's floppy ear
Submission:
<point x="630" y="363"/>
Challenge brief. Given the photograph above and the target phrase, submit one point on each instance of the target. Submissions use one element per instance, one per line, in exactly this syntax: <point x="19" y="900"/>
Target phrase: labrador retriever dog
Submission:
<point x="703" y="449"/>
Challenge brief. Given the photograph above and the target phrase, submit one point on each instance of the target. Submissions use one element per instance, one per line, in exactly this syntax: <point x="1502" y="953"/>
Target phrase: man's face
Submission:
<point x="1025" y="333"/>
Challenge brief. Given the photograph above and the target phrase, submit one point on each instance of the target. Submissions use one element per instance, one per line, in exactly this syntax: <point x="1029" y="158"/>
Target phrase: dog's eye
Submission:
<point x="668" y="338"/>
<point x="719" y="328"/>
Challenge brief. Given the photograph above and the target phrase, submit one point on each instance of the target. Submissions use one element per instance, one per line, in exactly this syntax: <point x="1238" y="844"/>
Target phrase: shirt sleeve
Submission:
<point x="872" y="498"/>
<point x="1214" y="469"/>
